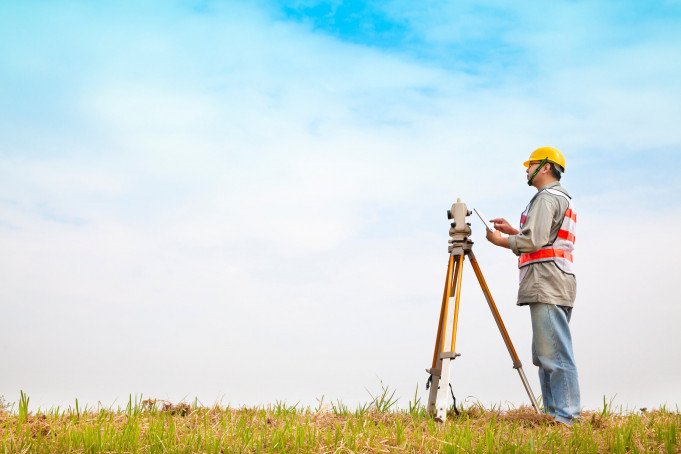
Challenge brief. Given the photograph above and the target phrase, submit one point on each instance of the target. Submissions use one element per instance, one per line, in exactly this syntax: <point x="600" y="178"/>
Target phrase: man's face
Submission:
<point x="531" y="168"/>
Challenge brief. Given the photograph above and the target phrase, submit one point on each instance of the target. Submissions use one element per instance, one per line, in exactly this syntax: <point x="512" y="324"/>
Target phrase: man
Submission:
<point x="544" y="245"/>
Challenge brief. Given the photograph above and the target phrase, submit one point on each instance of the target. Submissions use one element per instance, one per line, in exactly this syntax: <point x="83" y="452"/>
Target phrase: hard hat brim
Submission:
<point x="527" y="163"/>
<point x="551" y="154"/>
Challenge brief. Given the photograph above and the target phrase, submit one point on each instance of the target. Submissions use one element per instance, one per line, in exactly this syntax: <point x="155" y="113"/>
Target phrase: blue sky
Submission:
<point x="479" y="36"/>
<point x="189" y="184"/>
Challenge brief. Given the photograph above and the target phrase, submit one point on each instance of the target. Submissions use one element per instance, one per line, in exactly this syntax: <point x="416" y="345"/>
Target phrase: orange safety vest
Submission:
<point x="560" y="251"/>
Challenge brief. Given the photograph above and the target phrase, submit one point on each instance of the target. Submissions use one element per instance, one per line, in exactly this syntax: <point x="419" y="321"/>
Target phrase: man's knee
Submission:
<point x="547" y="362"/>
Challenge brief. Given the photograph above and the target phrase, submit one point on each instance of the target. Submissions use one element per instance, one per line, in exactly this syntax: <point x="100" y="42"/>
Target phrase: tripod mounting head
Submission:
<point x="460" y="230"/>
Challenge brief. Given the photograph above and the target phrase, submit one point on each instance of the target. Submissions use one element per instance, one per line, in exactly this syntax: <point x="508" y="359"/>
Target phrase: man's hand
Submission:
<point x="503" y="226"/>
<point x="493" y="236"/>
<point x="496" y="239"/>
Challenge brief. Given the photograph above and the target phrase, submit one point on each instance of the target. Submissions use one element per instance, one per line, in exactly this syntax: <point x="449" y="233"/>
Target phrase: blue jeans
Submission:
<point x="552" y="352"/>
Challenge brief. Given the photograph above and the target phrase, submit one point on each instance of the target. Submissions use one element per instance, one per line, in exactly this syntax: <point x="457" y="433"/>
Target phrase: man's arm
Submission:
<point x="536" y="231"/>
<point x="534" y="234"/>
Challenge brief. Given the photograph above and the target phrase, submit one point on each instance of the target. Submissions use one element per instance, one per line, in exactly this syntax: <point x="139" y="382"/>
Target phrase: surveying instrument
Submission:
<point x="461" y="246"/>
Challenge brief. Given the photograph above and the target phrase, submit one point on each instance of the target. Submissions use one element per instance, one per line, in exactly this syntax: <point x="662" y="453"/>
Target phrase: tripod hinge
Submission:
<point x="451" y="355"/>
<point x="435" y="372"/>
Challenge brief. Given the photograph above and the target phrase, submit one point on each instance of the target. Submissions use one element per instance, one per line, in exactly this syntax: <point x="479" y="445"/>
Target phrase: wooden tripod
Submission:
<point x="462" y="247"/>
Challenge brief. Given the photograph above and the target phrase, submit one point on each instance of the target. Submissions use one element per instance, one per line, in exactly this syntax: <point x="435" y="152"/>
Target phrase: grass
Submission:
<point x="149" y="426"/>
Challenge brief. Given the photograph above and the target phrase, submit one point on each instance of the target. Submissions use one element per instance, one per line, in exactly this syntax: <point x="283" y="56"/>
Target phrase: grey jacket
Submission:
<point x="543" y="282"/>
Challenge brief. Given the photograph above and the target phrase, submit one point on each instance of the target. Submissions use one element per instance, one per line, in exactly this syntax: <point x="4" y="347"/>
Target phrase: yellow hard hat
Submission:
<point x="549" y="153"/>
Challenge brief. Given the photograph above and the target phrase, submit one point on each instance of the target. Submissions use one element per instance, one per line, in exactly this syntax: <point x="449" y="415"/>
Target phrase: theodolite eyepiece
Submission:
<point x="459" y="212"/>
<point x="460" y="230"/>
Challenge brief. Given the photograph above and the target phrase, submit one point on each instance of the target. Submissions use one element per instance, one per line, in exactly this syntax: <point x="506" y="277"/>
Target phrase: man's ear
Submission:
<point x="547" y="167"/>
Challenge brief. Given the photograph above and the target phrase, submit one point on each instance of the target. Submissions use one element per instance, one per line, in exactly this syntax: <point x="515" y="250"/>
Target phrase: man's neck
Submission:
<point x="541" y="184"/>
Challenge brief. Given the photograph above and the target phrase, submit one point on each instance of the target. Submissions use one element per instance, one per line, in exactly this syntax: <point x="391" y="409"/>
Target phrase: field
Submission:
<point x="377" y="426"/>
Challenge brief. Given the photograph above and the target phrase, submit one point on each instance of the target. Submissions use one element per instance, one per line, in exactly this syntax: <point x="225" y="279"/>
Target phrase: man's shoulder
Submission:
<point x="560" y="188"/>
<point x="553" y="197"/>
<point x="554" y="192"/>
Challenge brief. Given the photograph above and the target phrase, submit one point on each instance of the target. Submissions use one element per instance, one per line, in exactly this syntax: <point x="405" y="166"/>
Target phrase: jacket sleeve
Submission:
<point x="536" y="232"/>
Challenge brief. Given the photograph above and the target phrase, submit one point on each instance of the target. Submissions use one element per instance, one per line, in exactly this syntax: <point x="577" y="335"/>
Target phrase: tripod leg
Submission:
<point x="439" y="392"/>
<point x="459" y="273"/>
<point x="439" y="340"/>
<point x="502" y="329"/>
<point x="436" y="370"/>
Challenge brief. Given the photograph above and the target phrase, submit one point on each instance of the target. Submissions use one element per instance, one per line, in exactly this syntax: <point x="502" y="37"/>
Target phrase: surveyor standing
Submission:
<point x="544" y="245"/>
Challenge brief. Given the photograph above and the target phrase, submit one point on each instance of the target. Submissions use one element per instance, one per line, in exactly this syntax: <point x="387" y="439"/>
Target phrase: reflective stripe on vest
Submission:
<point x="560" y="251"/>
<point x="544" y="254"/>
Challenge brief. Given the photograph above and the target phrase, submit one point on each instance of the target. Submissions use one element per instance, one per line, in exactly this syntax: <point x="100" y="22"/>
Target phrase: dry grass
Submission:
<point x="160" y="426"/>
